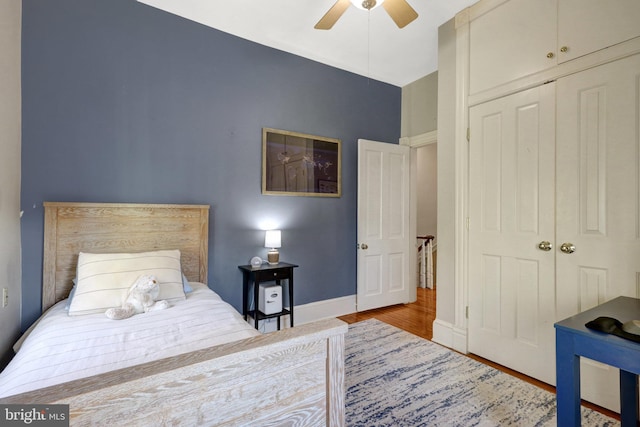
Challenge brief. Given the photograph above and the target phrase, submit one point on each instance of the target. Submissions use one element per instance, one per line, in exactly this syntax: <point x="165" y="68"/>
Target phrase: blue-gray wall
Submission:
<point x="126" y="103"/>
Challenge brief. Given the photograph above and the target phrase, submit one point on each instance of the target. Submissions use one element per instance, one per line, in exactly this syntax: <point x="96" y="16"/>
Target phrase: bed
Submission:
<point x="238" y="377"/>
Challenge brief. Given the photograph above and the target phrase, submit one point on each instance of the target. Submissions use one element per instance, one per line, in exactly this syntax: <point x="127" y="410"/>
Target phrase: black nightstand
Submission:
<point x="266" y="273"/>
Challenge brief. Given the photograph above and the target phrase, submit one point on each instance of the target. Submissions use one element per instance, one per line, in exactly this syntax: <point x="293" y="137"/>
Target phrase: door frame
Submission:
<point x="450" y="326"/>
<point x="415" y="142"/>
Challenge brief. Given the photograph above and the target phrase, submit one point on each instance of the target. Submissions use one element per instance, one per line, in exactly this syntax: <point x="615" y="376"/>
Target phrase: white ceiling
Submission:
<point x="365" y="43"/>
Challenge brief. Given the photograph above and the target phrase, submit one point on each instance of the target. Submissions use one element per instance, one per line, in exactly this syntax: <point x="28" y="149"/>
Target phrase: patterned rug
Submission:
<point x="394" y="378"/>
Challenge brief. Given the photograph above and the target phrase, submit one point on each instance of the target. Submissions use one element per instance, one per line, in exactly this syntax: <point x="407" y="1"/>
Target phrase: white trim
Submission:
<point x="325" y="309"/>
<point x="446" y="334"/>
<point x="442" y="333"/>
<point x="460" y="340"/>
<point x="462" y="18"/>
<point x="480" y="8"/>
<point x="413" y="218"/>
<point x="461" y="187"/>
<point x="594" y="59"/>
<point x="307" y="313"/>
<point x="420" y="140"/>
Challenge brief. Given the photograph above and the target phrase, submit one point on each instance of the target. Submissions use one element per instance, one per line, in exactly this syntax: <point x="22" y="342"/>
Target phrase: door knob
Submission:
<point x="568" y="248"/>
<point x="545" y="246"/>
<point x="364" y="246"/>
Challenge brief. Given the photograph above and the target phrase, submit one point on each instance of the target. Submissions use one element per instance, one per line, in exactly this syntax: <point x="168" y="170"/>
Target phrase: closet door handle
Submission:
<point x="545" y="246"/>
<point x="568" y="248"/>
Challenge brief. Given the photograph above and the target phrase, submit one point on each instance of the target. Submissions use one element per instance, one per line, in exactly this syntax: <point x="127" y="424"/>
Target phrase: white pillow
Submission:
<point x="103" y="279"/>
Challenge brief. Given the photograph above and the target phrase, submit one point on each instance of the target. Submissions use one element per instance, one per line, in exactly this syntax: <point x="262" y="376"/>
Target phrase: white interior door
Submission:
<point x="385" y="245"/>
<point x="511" y="205"/>
<point x="598" y="155"/>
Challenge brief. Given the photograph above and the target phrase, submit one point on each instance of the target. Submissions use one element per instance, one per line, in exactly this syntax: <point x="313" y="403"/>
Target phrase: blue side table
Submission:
<point x="574" y="340"/>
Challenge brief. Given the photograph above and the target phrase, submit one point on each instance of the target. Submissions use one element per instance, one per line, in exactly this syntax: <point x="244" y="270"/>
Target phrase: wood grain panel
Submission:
<point x="257" y="381"/>
<point x="71" y="228"/>
<point x="335" y="386"/>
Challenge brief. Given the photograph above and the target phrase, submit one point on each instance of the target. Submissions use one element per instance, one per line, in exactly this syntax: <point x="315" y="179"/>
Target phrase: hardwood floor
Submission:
<point x="417" y="318"/>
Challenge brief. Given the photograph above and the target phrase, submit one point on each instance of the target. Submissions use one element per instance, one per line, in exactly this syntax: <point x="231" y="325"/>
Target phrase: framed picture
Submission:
<point x="297" y="164"/>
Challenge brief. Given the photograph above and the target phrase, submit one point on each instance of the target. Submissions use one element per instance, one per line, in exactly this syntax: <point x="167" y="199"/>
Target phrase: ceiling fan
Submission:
<point x="399" y="10"/>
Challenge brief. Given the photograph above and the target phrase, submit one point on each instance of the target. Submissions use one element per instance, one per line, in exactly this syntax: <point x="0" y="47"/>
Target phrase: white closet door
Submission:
<point x="597" y="199"/>
<point x="585" y="26"/>
<point x="512" y="41"/>
<point x="511" y="205"/>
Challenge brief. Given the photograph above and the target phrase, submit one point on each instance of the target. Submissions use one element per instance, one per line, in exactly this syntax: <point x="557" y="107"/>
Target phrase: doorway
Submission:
<point x="424" y="192"/>
<point x="416" y="317"/>
<point x="426" y="209"/>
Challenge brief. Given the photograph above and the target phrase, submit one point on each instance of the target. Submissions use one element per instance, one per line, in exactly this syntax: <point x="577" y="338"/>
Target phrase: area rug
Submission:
<point x="394" y="378"/>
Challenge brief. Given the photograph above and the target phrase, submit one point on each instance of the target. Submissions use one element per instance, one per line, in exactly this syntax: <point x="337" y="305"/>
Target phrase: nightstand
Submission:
<point x="266" y="273"/>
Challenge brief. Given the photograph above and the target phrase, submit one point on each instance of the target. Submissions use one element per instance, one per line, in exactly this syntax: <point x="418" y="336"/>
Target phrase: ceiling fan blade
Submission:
<point x="400" y="11"/>
<point x="330" y="18"/>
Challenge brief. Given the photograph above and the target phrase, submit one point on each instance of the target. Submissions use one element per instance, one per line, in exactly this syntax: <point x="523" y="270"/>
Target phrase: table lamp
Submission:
<point x="272" y="240"/>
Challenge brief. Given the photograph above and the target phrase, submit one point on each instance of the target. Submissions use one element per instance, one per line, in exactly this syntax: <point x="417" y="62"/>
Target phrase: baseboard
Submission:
<point x="325" y="309"/>
<point x="448" y="335"/>
<point x="307" y="313"/>
<point x="460" y="340"/>
<point x="442" y="333"/>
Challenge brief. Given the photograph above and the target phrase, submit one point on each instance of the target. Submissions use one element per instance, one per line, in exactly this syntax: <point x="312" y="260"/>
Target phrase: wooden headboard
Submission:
<point x="71" y="228"/>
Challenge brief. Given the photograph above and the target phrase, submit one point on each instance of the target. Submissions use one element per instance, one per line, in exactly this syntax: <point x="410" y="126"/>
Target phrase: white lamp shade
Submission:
<point x="272" y="239"/>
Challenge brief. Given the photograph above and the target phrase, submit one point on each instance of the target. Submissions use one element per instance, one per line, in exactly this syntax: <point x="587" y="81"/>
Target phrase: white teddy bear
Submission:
<point x="141" y="298"/>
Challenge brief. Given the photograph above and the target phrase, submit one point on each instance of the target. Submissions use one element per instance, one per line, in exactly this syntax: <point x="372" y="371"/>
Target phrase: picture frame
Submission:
<point x="299" y="164"/>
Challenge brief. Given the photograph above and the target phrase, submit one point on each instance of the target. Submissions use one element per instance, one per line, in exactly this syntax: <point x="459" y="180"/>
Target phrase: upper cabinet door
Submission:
<point x="585" y="26"/>
<point x="517" y="38"/>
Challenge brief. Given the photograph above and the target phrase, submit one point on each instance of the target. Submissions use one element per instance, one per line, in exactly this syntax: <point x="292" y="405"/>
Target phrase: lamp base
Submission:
<point x="273" y="257"/>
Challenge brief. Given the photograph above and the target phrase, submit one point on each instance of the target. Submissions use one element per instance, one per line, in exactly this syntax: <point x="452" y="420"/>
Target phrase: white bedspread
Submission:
<point x="63" y="348"/>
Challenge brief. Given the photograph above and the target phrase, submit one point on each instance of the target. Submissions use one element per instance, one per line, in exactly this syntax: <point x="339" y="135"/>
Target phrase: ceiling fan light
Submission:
<point x="366" y="4"/>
